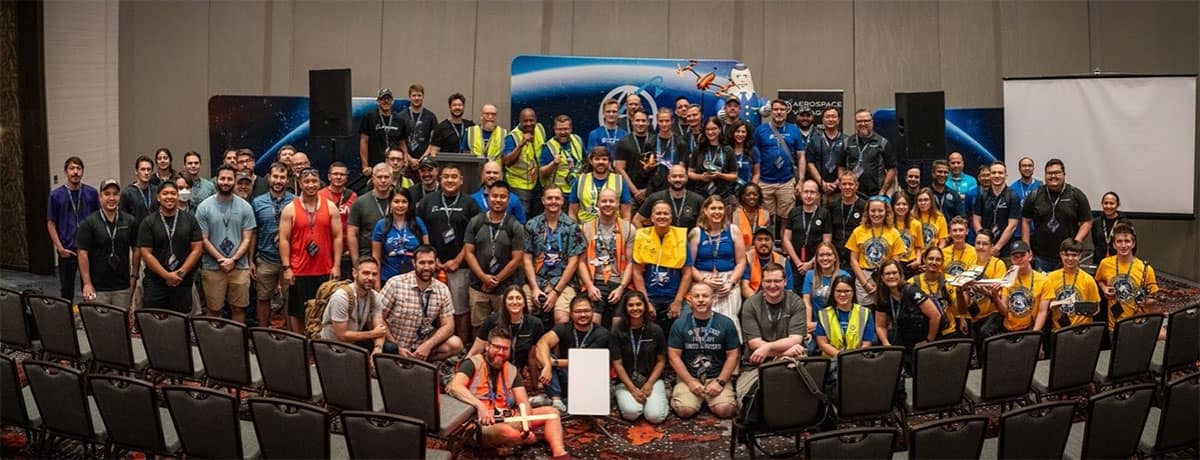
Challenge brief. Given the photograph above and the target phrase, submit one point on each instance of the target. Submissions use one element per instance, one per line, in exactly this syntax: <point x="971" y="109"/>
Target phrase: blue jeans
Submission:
<point x="556" y="388"/>
<point x="655" y="409"/>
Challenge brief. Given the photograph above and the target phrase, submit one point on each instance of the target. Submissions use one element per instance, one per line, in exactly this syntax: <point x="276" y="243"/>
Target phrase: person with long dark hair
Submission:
<point x="713" y="170"/>
<point x="526" y="328"/>
<point x="745" y="154"/>
<point x="904" y="316"/>
<point x="1103" y="225"/>
<point x="638" y="349"/>
<point x="396" y="237"/>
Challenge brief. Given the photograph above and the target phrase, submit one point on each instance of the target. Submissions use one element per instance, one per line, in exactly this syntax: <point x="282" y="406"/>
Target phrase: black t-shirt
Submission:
<point x="448" y="136"/>
<point x="153" y="234"/>
<point x="652" y="343"/>
<point x="417" y="192"/>
<point x="684" y="212"/>
<point x="995" y="210"/>
<point x="467" y="368"/>
<point x="420" y="129"/>
<point x="495" y="243"/>
<point x="911" y="325"/>
<point x="1068" y="210"/>
<point x="139" y="202"/>
<point x="873" y="155"/>
<point x="716" y="159"/>
<point x="808" y="230"/>
<point x="446" y="219"/>
<point x="825" y="153"/>
<point x="525" y="336"/>
<point x="630" y="150"/>
<point x="383" y="132"/>
<point x="107" y="244"/>
<point x="569" y="338"/>
<point x="845" y="218"/>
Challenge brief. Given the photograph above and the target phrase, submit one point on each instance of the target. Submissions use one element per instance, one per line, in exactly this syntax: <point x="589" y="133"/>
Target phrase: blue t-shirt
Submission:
<point x="663" y="283"/>
<point x="399" y="245"/>
<point x="776" y="166"/>
<point x="223" y="224"/>
<point x="607" y="138"/>
<point x="599" y="184"/>
<point x="514" y="205"/>
<point x="67" y="209"/>
<point x="1021" y="191"/>
<point x="966" y="186"/>
<point x="266" y="216"/>
<point x="715" y="252"/>
<point x="787" y="271"/>
<point x="704" y="343"/>
<point x="821" y="294"/>
<point x="843" y="317"/>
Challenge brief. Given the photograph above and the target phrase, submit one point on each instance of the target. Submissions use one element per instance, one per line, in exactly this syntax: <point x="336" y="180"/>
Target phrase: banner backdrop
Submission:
<point x="976" y="133"/>
<point x="815" y="100"/>
<point x="576" y="86"/>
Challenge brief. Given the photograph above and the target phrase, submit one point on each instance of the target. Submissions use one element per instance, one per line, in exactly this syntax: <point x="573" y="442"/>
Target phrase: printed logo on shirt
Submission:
<point x="1123" y="288"/>
<point x="1020" y="302"/>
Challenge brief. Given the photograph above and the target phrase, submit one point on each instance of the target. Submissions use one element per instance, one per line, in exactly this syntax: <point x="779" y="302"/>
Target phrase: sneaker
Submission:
<point x="539" y="401"/>
<point x="559" y="405"/>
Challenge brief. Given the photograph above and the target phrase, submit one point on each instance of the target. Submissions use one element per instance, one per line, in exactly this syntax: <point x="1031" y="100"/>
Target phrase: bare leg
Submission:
<point x="462" y="327"/>
<point x="238" y="314"/>
<point x="554" y="430"/>
<point x="264" y="313"/>
<point x="295" y="324"/>
<point x="452" y="346"/>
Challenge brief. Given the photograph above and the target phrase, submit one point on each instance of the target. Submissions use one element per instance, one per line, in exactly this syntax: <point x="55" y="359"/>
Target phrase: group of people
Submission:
<point x="658" y="245"/>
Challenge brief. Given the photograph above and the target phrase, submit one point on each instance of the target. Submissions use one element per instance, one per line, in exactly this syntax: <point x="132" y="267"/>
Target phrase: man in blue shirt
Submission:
<point x="781" y="154"/>
<point x="67" y="206"/>
<point x="1025" y="186"/>
<point x="966" y="186"/>
<point x="608" y="133"/>
<point x="949" y="201"/>
<point x="227" y="228"/>
<point x="702" y="348"/>
<point x="491" y="175"/>
<point x="267" y="266"/>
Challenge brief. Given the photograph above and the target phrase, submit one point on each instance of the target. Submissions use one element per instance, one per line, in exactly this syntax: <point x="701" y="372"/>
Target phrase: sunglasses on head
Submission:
<point x="310" y="172"/>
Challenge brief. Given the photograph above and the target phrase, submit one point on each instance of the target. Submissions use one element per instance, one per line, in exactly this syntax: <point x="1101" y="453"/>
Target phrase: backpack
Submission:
<point x="314" y="309"/>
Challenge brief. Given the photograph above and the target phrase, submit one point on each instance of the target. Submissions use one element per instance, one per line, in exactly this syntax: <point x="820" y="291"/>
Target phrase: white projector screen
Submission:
<point x="1131" y="135"/>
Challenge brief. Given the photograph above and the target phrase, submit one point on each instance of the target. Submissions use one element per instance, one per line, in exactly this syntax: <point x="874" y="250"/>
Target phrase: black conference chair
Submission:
<point x="207" y="423"/>
<point x="948" y="438"/>
<point x="66" y="411"/>
<point x="55" y="323"/>
<point x="852" y="443"/>
<point x="15" y="323"/>
<point x="107" y="329"/>
<point x="1172" y="427"/>
<point x="1133" y="345"/>
<point x="1070" y="368"/>
<point x="371" y="435"/>
<point x="17" y="407"/>
<point x="413" y="388"/>
<point x="224" y="352"/>
<point x="1037" y="431"/>
<point x="1115" y="419"/>
<point x="165" y="336"/>
<point x="283" y="361"/>
<point x="1008" y="369"/>
<point x="789" y="406"/>
<point x="131" y="414"/>
<point x="1182" y="348"/>
<point x="867" y="380"/>
<point x="345" y="378"/>
<point x="292" y="430"/>
<point x="939" y="374"/>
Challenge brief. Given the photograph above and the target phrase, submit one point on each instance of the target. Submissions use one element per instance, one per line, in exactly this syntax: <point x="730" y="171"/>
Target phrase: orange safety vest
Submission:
<point x="756" y="268"/>
<point x="747" y="229"/>
<point x="620" y="249"/>
<point x="480" y="388"/>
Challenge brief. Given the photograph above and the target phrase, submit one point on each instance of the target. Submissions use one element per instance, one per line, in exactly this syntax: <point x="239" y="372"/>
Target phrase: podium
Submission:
<point x="471" y="166"/>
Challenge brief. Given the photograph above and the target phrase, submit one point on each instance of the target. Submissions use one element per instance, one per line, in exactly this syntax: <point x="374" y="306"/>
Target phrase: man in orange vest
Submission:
<point x="605" y="271"/>
<point x="759" y="256"/>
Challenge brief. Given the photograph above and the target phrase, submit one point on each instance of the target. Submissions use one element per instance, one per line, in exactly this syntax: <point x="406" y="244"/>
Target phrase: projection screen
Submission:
<point x="1132" y="135"/>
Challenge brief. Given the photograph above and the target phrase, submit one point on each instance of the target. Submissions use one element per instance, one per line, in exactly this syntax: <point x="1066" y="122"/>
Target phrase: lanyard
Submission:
<point x="678" y="208"/>
<point x="861" y="147"/>
<point x="278" y="205"/>
<point x="996" y="201"/>
<point x="1025" y="189"/>
<point x="312" y="215"/>
<point x="170" y="231"/>
<point x="552" y="233"/>
<point x="895" y="309"/>
<point x="670" y="146"/>
<point x="846" y="220"/>
<point x="806" y="219"/>
<point x="580" y="342"/>
<point x="112" y="233"/>
<point x="380" y="207"/>
<point x="636" y="345"/>
<point x="423" y="296"/>
<point x="446" y="207"/>
<point x="715" y="243"/>
<point x="700" y="339"/>
<point x="1054" y="204"/>
<point x="145" y="196"/>
<point x="957" y="256"/>
<point x="75" y="202"/>
<point x="459" y="129"/>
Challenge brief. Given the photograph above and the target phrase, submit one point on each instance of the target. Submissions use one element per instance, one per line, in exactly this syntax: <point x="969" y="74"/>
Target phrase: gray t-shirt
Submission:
<point x="222" y="223"/>
<point x="338" y="310"/>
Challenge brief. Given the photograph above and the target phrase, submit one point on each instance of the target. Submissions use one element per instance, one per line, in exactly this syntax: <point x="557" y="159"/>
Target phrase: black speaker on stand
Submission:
<point x="329" y="113"/>
<point x="921" y="123"/>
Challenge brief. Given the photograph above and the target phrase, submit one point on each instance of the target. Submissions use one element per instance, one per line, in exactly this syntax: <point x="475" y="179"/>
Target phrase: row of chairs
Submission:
<point x="942" y="382"/>
<point x="124" y="414"/>
<point x="279" y="366"/>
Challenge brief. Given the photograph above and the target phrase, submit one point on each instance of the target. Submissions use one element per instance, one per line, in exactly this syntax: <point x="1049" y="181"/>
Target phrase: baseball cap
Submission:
<point x="427" y="162"/>
<point x="384" y="92"/>
<point x="106" y="183"/>
<point x="765" y="230"/>
<point x="1018" y="246"/>
<point x="244" y="177"/>
<point x="804" y="109"/>
<point x="733" y="98"/>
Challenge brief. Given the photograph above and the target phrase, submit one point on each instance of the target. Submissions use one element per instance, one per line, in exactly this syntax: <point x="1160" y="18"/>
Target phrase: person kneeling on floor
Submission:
<point x="703" y="350"/>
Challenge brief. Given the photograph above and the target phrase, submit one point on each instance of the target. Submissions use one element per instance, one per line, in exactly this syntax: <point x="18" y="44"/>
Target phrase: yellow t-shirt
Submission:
<point x="993" y="269"/>
<point x="913" y="241"/>
<point x="1127" y="282"/>
<point x="1024" y="301"/>
<point x="873" y="247"/>
<point x="1060" y="286"/>
<point x="944" y="295"/>
<point x="933" y="228"/>
<point x="955" y="261"/>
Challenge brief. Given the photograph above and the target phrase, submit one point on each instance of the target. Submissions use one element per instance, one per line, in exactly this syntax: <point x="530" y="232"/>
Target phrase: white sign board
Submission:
<point x="587" y="381"/>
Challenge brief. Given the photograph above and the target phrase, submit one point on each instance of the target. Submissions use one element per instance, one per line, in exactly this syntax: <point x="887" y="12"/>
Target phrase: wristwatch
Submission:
<point x="721" y="381"/>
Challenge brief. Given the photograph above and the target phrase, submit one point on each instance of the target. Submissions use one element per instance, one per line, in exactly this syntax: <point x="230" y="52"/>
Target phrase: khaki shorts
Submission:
<point x="482" y="305"/>
<point x="267" y="275"/>
<point x="562" y="303"/>
<point x="683" y="398"/>
<point x="222" y="288"/>
<point x="778" y="199"/>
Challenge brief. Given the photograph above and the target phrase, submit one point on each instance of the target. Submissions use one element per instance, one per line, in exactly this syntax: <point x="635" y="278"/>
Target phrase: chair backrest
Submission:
<point x="14" y="329"/>
<point x="290" y="429"/>
<point x="940" y="373"/>
<point x="376" y="435"/>
<point x="1036" y="431"/>
<point x="60" y="398"/>
<point x="949" y="438"/>
<point x="130" y="412"/>
<point x="343" y="372"/>
<point x="12" y="402"/>
<point x="206" y="421"/>
<point x="1133" y="345"/>
<point x="785" y="399"/>
<point x="410" y="388"/>
<point x="55" y="324"/>
<point x="1178" y="420"/>
<point x="1183" y="338"/>
<point x="107" y="330"/>
<point x="857" y="443"/>
<point x="1076" y="350"/>
<point x="1115" y="421"/>
<point x="283" y="359"/>
<point x="1011" y="359"/>
<point x="867" y="380"/>
<point x="165" y="336"/>
<point x="222" y="345"/>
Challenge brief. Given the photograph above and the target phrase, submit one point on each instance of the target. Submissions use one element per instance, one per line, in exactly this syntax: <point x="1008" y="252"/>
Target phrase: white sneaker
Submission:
<point x="539" y="401"/>
<point x="558" y="404"/>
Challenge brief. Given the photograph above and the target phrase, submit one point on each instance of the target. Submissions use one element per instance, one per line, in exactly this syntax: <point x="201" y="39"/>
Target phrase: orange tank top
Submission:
<point x="313" y="228"/>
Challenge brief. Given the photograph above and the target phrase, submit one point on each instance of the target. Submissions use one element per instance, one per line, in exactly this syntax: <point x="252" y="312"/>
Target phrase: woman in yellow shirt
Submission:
<point x="932" y="282"/>
<point x="873" y="242"/>
<point x="933" y="223"/>
<point x="910" y="232"/>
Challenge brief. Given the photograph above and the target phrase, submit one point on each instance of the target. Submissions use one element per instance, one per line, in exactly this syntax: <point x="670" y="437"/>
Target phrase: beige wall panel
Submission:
<point x="506" y="29"/>
<point x="558" y="26"/>
<point x="895" y="50"/>
<point x="236" y="48"/>
<point x="618" y="28"/>
<point x="334" y="35"/>
<point x="277" y="34"/>
<point x="701" y="29"/>
<point x="1145" y="36"/>
<point x="443" y="60"/>
<point x="1043" y="38"/>
<point x="820" y="55"/>
<point x="749" y="45"/>
<point x="968" y="43"/>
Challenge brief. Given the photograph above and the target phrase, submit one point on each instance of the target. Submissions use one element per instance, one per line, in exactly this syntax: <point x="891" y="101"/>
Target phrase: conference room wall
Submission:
<point x="175" y="55"/>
